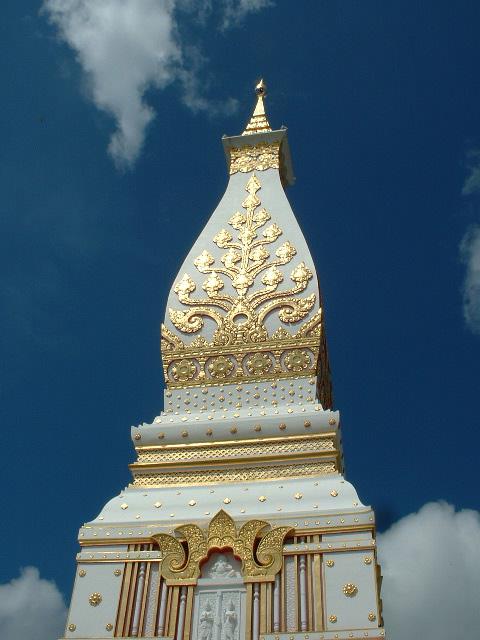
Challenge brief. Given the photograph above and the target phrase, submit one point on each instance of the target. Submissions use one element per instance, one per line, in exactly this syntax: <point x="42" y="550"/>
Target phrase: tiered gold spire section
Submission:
<point x="258" y="123"/>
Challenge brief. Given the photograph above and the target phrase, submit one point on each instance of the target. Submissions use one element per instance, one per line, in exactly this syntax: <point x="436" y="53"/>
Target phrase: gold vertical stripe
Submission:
<point x="269" y="595"/>
<point x="188" y="614"/>
<point x="172" y="623"/>
<point x="263" y="607"/>
<point x="248" y="615"/>
<point x="167" y="609"/>
<point x="317" y="591"/>
<point x="157" y="603"/>
<point x="282" y="597"/>
<point x="146" y="587"/>
<point x="311" y="623"/>
<point x="297" y="590"/>
<point x="130" y="600"/>
<point x="127" y="570"/>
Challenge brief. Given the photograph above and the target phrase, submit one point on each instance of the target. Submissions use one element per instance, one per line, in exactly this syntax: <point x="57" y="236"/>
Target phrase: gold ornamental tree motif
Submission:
<point x="241" y="288"/>
<point x="246" y="262"/>
<point x="183" y="556"/>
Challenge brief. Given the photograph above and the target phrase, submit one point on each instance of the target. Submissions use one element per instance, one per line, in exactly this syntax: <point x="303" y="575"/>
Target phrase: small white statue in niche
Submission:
<point x="223" y="569"/>
<point x="206" y="623"/>
<point x="230" y="620"/>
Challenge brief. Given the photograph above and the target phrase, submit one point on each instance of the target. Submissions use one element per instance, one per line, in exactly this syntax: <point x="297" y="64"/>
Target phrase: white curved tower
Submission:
<point x="239" y="523"/>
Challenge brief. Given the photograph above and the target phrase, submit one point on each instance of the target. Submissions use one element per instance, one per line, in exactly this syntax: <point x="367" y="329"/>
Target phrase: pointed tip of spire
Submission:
<point x="258" y="123"/>
<point x="261" y="88"/>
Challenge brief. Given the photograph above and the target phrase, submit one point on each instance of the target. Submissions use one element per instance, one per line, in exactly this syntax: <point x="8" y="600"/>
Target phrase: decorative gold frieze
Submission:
<point x="244" y="474"/>
<point x="260" y="563"/>
<point x="317" y="444"/>
<point x="259" y="157"/>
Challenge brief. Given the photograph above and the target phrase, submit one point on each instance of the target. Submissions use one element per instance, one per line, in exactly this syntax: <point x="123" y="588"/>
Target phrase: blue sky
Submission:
<point x="382" y="102"/>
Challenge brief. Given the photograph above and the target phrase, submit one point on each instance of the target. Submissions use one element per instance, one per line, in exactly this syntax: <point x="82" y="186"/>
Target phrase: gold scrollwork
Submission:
<point x="183" y="556"/>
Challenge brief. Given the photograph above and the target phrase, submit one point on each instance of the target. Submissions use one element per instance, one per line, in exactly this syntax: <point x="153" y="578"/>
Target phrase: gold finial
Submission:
<point x="261" y="89"/>
<point x="258" y="122"/>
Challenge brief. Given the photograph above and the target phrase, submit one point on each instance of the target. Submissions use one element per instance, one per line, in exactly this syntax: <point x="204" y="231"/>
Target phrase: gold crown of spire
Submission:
<point x="258" y="122"/>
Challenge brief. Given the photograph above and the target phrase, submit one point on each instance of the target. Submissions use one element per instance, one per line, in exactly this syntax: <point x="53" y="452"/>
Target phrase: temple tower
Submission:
<point x="239" y="523"/>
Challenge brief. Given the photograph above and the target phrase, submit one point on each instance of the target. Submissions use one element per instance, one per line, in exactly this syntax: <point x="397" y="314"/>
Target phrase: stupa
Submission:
<point x="239" y="523"/>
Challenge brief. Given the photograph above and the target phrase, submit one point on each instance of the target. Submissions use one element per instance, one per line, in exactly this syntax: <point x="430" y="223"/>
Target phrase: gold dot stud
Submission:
<point x="137" y="436"/>
<point x="95" y="599"/>
<point x="332" y="422"/>
<point x="372" y="617"/>
<point x="109" y="627"/>
<point x="332" y="618"/>
<point x="330" y="563"/>
<point x="226" y="500"/>
<point x="282" y="426"/>
<point x="72" y="627"/>
<point x="82" y="573"/>
<point x="307" y="424"/>
<point x="350" y="590"/>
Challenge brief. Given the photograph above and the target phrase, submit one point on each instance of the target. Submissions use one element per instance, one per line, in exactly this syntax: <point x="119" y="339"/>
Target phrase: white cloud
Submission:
<point x="472" y="183"/>
<point x="126" y="47"/>
<point x="236" y="10"/>
<point x="470" y="252"/>
<point x="431" y="566"/>
<point x="31" y="608"/>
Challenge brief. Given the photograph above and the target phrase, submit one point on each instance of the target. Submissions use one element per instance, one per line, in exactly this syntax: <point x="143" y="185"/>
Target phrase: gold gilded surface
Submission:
<point x="244" y="474"/>
<point x="241" y="348"/>
<point x="258" y="157"/>
<point x="182" y="560"/>
<point x="258" y="122"/>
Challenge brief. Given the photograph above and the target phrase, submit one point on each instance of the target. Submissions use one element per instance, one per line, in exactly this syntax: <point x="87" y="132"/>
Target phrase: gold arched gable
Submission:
<point x="183" y="556"/>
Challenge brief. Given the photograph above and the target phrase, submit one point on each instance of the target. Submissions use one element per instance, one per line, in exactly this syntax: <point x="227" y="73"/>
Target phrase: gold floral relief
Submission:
<point x="257" y="157"/>
<point x="245" y="263"/>
<point x="241" y="348"/>
<point x="183" y="556"/>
